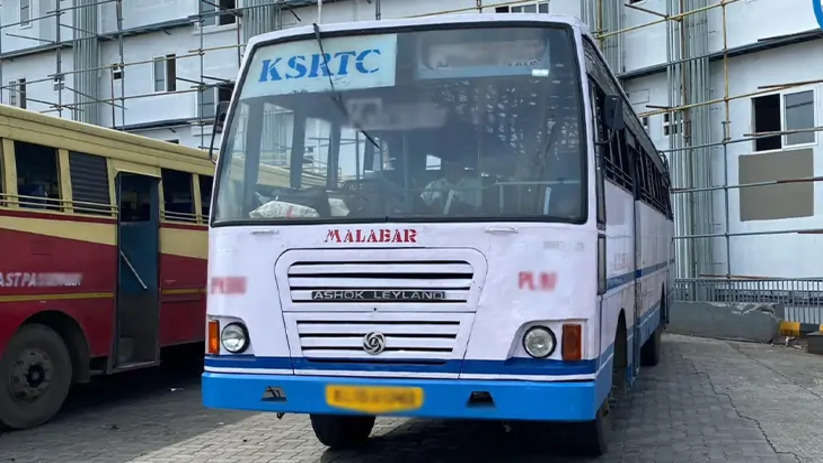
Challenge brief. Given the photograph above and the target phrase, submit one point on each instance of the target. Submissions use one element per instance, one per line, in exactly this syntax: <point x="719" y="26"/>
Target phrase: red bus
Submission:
<point x="103" y="245"/>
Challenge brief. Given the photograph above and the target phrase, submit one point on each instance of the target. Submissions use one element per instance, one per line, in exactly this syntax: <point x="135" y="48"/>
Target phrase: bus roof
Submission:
<point x="15" y="119"/>
<point x="365" y="26"/>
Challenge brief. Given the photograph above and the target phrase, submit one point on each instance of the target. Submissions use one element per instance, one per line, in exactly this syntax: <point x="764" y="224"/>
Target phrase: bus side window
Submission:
<point x="205" y="195"/>
<point x="89" y="184"/>
<point x="177" y="195"/>
<point x="601" y="146"/>
<point x="641" y="174"/>
<point x="2" y="176"/>
<point x="37" y="176"/>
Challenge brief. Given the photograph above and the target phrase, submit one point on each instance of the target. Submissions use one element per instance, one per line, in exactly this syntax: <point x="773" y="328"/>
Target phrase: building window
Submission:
<point x="165" y="74"/>
<point x="17" y="93"/>
<point x="767" y="119"/>
<point x="21" y="90"/>
<point x="797" y="114"/>
<point x="13" y="92"/>
<point x="207" y="106"/>
<point x="209" y="17"/>
<point x="177" y="197"/>
<point x="37" y="178"/>
<point x="159" y="74"/>
<point x="535" y="7"/>
<point x="672" y="128"/>
<point x="645" y="123"/>
<point x="116" y="71"/>
<point x="25" y="13"/>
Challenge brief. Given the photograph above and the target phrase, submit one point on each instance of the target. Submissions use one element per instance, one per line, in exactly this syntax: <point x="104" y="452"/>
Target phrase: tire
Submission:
<point x="35" y="376"/>
<point x="592" y="437"/>
<point x="342" y="431"/>
<point x="650" y="352"/>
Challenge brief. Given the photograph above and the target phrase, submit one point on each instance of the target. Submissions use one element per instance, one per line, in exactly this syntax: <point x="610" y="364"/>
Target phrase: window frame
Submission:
<point x="171" y="72"/>
<point x="100" y="209"/>
<point x="17" y="93"/>
<point x="783" y="122"/>
<point x="184" y="217"/>
<point x="155" y="79"/>
<point x="169" y="64"/>
<point x="49" y="204"/>
<point x="216" y="91"/>
<point x="536" y="4"/>
<point x="3" y="189"/>
<point x="672" y="128"/>
<point x="214" y="21"/>
<point x="205" y="206"/>
<point x="22" y="93"/>
<point x="12" y="90"/>
<point x="782" y="108"/>
<point x="201" y="108"/>
<point x="24" y="23"/>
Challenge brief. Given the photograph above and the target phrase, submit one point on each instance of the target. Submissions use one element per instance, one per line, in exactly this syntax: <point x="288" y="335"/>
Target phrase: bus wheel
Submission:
<point x="650" y="352"/>
<point x="35" y="375"/>
<point x="591" y="437"/>
<point x="342" y="431"/>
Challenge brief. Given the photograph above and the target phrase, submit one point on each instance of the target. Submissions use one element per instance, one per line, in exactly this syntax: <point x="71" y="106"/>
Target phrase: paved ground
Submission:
<point x="708" y="401"/>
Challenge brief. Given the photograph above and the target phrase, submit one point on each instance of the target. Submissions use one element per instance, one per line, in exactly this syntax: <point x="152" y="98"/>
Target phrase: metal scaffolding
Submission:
<point x="699" y="163"/>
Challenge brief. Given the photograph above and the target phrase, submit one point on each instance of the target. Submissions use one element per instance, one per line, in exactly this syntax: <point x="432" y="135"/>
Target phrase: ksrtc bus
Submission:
<point x="103" y="245"/>
<point x="491" y="237"/>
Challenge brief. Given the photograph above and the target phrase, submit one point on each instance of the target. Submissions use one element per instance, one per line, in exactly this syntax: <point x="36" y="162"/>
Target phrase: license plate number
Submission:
<point x="374" y="400"/>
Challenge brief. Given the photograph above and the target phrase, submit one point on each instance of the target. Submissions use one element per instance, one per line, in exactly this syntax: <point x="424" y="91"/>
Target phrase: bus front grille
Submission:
<point x="381" y="282"/>
<point x="371" y="337"/>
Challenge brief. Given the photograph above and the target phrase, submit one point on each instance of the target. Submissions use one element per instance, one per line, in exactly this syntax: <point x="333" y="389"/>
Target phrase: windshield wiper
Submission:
<point x="336" y="96"/>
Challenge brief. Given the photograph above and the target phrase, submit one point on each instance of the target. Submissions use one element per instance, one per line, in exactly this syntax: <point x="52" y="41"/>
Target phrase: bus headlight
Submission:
<point x="234" y="338"/>
<point x="539" y="342"/>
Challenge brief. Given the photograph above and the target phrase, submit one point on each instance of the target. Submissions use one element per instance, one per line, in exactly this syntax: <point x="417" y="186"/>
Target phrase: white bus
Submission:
<point x="470" y="222"/>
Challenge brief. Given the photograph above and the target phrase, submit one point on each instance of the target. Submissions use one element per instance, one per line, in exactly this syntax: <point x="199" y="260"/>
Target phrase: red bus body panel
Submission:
<point x="44" y="270"/>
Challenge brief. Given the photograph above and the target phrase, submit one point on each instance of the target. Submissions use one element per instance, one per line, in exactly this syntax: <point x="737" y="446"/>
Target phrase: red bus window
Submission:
<point x="37" y="176"/>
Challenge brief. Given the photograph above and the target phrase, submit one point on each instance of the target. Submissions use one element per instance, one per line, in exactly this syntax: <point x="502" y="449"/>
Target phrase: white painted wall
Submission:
<point x="790" y="255"/>
<point x="32" y="65"/>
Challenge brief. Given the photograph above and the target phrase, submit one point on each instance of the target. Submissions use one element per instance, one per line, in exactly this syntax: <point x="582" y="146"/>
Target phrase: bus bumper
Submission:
<point x="442" y="398"/>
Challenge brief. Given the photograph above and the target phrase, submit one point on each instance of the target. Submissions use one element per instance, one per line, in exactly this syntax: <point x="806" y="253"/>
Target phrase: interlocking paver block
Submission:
<point x="707" y="401"/>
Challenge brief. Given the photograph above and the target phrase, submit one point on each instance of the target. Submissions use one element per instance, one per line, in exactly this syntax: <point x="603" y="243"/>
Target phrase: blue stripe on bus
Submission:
<point x="646" y="328"/>
<point x="248" y="361"/>
<point x="512" y="366"/>
<point x="620" y="280"/>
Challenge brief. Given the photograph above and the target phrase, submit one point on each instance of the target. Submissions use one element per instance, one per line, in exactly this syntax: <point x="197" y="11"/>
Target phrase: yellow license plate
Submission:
<point x="374" y="400"/>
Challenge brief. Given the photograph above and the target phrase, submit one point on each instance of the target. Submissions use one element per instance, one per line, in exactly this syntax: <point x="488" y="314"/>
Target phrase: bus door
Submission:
<point x="138" y="310"/>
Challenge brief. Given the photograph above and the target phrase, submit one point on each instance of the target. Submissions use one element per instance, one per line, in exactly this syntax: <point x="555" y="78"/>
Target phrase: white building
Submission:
<point x="768" y="43"/>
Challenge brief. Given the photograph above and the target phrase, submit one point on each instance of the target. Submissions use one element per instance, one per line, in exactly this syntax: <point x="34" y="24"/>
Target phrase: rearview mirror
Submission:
<point x="614" y="112"/>
<point x="219" y="121"/>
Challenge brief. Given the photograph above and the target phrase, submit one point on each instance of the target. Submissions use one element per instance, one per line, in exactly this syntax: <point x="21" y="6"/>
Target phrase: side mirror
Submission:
<point x="219" y="121"/>
<point x="613" y="109"/>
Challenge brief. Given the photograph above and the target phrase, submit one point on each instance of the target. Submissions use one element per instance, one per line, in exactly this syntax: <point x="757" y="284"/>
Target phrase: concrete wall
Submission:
<point x="746" y="322"/>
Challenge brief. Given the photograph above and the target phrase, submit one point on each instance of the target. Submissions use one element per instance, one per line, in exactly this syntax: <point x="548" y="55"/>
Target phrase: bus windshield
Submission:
<point x="454" y="124"/>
